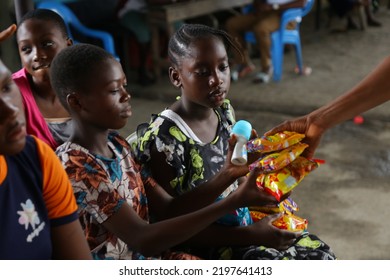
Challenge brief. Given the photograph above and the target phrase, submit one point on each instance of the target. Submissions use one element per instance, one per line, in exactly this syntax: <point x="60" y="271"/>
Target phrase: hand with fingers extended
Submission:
<point x="270" y="236"/>
<point x="305" y="125"/>
<point x="5" y="34"/>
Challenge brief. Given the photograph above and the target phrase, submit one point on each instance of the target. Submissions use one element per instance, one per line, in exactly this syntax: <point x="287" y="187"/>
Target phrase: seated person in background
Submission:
<point x="185" y="149"/>
<point x="38" y="217"/>
<point x="263" y="20"/>
<point x="42" y="34"/>
<point x="344" y="8"/>
<point x="108" y="184"/>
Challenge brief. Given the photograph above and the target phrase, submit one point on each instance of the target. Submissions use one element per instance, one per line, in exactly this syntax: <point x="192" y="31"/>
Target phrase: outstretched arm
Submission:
<point x="165" y="203"/>
<point x="372" y="91"/>
<point x="151" y="239"/>
<point x="5" y="34"/>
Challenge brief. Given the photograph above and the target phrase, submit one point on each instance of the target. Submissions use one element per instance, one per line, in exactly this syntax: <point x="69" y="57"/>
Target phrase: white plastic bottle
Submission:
<point x="242" y="129"/>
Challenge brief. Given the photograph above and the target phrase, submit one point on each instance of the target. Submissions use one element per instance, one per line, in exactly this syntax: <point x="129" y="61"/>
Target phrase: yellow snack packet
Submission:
<point x="289" y="222"/>
<point x="284" y="180"/>
<point x="278" y="160"/>
<point x="272" y="143"/>
<point x="287" y="206"/>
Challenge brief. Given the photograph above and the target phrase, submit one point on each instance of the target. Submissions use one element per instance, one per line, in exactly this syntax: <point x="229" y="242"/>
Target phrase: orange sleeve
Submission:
<point x="57" y="190"/>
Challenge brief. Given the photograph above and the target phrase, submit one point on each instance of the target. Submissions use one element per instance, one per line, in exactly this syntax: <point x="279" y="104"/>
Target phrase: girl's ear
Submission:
<point x="69" y="42"/>
<point x="73" y="101"/>
<point x="174" y="76"/>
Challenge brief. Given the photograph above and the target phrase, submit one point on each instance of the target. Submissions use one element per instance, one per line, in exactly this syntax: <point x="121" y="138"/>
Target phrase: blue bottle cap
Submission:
<point x="243" y="128"/>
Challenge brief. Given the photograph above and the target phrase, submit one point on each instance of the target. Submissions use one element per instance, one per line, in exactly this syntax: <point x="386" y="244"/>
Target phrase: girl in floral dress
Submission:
<point x="184" y="149"/>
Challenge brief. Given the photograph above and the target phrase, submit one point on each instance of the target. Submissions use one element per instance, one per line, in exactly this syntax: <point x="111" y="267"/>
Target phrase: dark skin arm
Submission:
<point x="372" y="91"/>
<point x="5" y="34"/>
<point x="195" y="199"/>
<point x="69" y="242"/>
<point x="152" y="239"/>
<point x="164" y="205"/>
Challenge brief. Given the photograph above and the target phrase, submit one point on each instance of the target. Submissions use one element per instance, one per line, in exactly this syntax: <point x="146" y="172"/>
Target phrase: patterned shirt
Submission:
<point x="101" y="185"/>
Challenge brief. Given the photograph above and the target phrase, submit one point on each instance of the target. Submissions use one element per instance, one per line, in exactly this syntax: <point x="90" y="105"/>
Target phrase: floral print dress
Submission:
<point x="101" y="185"/>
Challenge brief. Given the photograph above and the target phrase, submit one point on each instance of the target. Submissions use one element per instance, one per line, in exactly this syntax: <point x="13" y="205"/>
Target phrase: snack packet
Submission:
<point x="276" y="142"/>
<point x="287" y="206"/>
<point x="289" y="222"/>
<point x="284" y="180"/>
<point x="278" y="160"/>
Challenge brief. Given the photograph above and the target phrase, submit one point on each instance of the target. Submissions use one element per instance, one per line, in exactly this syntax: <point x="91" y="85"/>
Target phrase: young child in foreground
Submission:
<point x="41" y="35"/>
<point x="106" y="180"/>
<point x="38" y="211"/>
<point x="186" y="144"/>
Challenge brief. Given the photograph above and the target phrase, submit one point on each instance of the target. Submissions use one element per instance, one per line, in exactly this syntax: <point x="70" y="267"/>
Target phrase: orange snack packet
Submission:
<point x="284" y="180"/>
<point x="287" y="206"/>
<point x="272" y="143"/>
<point x="278" y="160"/>
<point x="289" y="222"/>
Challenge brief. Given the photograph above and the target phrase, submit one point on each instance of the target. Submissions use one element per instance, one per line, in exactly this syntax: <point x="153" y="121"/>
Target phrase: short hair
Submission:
<point x="182" y="39"/>
<point x="46" y="15"/>
<point x="71" y="69"/>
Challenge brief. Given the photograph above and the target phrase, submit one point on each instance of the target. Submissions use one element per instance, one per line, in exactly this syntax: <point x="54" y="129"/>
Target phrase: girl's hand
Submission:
<point x="249" y="194"/>
<point x="266" y="234"/>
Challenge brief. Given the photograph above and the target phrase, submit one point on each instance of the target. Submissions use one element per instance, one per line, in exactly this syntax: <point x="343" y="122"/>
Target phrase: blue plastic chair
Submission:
<point x="284" y="36"/>
<point x="72" y="21"/>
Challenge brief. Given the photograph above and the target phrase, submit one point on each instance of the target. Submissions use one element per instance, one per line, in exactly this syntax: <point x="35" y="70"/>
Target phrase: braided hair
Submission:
<point x="180" y="42"/>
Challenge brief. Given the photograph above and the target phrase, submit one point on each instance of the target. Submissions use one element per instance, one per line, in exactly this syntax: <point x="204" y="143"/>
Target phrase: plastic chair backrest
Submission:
<point x="72" y="21"/>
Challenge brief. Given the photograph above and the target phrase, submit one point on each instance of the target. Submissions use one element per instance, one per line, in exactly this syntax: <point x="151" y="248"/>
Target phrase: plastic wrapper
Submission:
<point x="289" y="222"/>
<point x="278" y="160"/>
<point x="276" y="142"/>
<point x="287" y="206"/>
<point x="283" y="181"/>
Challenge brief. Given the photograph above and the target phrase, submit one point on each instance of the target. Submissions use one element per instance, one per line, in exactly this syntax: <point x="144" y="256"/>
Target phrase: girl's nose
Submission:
<point x="215" y="80"/>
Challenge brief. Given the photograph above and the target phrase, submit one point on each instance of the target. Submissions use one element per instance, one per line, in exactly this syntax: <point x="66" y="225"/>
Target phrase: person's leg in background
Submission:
<point x="236" y="26"/>
<point x="269" y="22"/>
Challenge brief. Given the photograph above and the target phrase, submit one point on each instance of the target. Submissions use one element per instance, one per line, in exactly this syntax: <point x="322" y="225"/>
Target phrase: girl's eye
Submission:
<point x="7" y="87"/>
<point x="25" y="49"/>
<point x="48" y="44"/>
<point x="224" y="67"/>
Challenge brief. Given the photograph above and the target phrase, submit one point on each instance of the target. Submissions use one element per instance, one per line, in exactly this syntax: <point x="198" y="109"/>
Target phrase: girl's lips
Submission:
<point x="126" y="113"/>
<point x="36" y="68"/>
